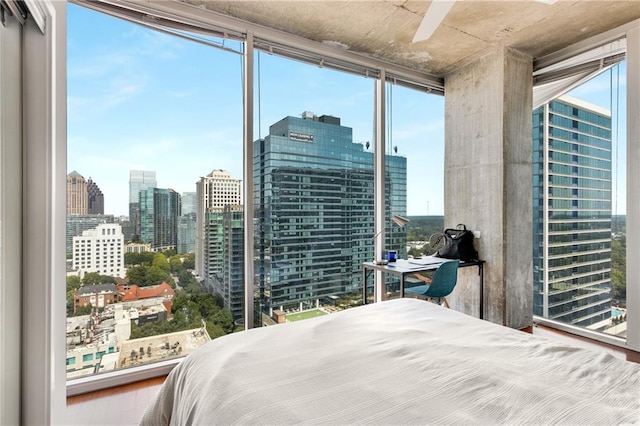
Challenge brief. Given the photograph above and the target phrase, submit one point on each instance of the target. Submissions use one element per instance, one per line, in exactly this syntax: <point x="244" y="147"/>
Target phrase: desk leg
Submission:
<point x="481" y="272"/>
<point x="364" y="286"/>
<point x="401" y="285"/>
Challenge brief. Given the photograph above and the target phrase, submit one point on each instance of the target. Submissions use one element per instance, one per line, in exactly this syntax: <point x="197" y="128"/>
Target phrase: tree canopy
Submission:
<point x="189" y="309"/>
<point x="149" y="275"/>
<point x="93" y="278"/>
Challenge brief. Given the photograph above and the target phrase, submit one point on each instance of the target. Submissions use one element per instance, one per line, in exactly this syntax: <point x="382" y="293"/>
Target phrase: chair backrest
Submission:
<point x="444" y="279"/>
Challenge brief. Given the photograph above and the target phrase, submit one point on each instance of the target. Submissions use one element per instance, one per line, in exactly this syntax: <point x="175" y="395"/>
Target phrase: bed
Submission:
<point x="402" y="361"/>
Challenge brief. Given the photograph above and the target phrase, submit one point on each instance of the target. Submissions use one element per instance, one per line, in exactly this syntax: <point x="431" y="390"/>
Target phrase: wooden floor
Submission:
<point x="568" y="338"/>
<point x="125" y="405"/>
<point x="122" y="405"/>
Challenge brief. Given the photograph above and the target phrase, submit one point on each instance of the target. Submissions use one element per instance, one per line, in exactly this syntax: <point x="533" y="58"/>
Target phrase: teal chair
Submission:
<point x="441" y="285"/>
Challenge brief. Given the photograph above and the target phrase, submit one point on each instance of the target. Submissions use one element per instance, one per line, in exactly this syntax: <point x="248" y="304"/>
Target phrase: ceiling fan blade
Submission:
<point x="438" y="9"/>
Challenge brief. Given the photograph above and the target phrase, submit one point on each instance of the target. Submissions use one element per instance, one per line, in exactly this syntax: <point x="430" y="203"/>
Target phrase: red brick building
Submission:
<point x="99" y="295"/>
<point x="133" y="292"/>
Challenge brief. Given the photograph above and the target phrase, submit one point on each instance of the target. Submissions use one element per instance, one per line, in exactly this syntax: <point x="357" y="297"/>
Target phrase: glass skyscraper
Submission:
<point x="159" y="212"/>
<point x="139" y="180"/>
<point x="187" y="233"/>
<point x="95" y="198"/>
<point x="187" y="223"/>
<point x="213" y="192"/>
<point x="232" y="283"/>
<point x="572" y="213"/>
<point x="314" y="212"/>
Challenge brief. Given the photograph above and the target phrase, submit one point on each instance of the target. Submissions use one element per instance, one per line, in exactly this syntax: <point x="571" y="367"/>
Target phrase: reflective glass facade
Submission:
<point x="186" y="233"/>
<point x="159" y="212"/>
<point x="224" y="257"/>
<point x="232" y="288"/>
<point x="139" y="180"/>
<point x="314" y="212"/>
<point x="572" y="213"/>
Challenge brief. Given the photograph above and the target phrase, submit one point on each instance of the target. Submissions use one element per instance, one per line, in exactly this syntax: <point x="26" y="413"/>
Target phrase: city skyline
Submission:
<point x="131" y="108"/>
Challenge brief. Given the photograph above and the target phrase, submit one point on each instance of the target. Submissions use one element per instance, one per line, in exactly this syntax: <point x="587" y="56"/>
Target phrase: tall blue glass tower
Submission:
<point x="159" y="211"/>
<point x="314" y="211"/>
<point x="572" y="213"/>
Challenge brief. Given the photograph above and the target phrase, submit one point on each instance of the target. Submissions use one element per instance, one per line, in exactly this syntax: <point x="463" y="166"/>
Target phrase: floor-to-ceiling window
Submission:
<point x="579" y="254"/>
<point x="154" y="152"/>
<point x="414" y="172"/>
<point x="313" y="180"/>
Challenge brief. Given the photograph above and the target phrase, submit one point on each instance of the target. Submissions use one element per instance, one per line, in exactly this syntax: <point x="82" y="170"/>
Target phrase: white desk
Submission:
<point x="403" y="267"/>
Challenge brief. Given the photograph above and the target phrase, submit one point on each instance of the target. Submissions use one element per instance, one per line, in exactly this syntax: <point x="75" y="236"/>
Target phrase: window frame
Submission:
<point x="44" y="387"/>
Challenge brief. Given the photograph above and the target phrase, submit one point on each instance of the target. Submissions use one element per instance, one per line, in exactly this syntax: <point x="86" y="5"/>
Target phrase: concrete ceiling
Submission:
<point x="384" y="29"/>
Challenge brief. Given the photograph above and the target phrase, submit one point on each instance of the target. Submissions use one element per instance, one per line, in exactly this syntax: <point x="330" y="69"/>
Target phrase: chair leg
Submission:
<point x="445" y="302"/>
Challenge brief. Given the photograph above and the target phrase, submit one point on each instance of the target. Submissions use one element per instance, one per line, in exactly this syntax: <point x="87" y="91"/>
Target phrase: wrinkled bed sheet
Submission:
<point x="403" y="361"/>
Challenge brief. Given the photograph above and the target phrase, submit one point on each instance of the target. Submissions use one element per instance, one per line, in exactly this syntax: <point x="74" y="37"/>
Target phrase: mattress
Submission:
<point x="402" y="361"/>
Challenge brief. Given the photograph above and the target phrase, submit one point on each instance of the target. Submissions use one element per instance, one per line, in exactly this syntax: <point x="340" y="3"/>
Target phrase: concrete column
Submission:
<point x="488" y="181"/>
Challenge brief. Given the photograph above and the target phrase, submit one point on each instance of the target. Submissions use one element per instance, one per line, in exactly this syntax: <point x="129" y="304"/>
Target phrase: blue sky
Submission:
<point x="143" y="100"/>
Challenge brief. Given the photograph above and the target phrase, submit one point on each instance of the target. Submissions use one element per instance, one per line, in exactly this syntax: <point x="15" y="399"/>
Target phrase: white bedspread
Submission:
<point x="403" y="361"/>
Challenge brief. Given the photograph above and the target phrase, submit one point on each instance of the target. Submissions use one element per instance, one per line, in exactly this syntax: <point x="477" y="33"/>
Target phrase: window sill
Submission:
<point x="120" y="377"/>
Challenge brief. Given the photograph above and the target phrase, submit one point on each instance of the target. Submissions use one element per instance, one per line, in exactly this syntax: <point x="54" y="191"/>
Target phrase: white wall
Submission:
<point x="10" y="220"/>
<point x="43" y="393"/>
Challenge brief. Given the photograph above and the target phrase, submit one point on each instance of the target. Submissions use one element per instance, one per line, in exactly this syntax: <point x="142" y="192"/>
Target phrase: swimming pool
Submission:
<point x="616" y="312"/>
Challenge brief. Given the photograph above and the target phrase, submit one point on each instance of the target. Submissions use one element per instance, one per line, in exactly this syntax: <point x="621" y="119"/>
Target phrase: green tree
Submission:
<point x="224" y="319"/>
<point x="189" y="261"/>
<point x="131" y="259"/>
<point x="421" y="228"/>
<point x="214" y="330"/>
<point x="156" y="275"/>
<point x="194" y="287"/>
<point x="175" y="265"/>
<point x="143" y="258"/>
<point x="73" y="282"/>
<point x="137" y="275"/>
<point x="207" y="304"/>
<point x="70" y="298"/>
<point x="185" y="277"/>
<point x="170" y="252"/>
<point x="160" y="261"/>
<point x="93" y="278"/>
<point x="152" y="329"/>
<point x="180" y="300"/>
<point x="82" y="310"/>
<point x="619" y="268"/>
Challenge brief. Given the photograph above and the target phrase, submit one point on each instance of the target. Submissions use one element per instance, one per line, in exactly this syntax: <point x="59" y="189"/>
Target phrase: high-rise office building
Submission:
<point x="95" y="198"/>
<point x="572" y="212"/>
<point x="187" y="233"/>
<point x="187" y="223"/>
<point x="76" y="224"/>
<point x="189" y="202"/>
<point x="214" y="191"/>
<point x="159" y="213"/>
<point x="224" y="256"/>
<point x="232" y="288"/>
<point x="77" y="199"/>
<point x="314" y="206"/>
<point x="100" y="250"/>
<point x="139" y="180"/>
